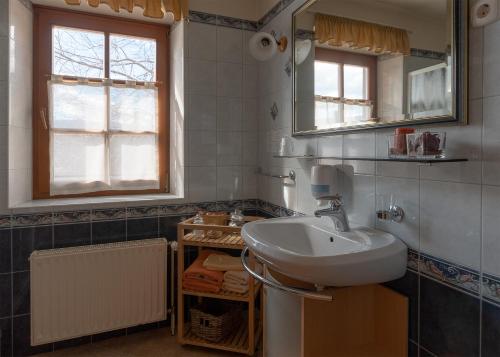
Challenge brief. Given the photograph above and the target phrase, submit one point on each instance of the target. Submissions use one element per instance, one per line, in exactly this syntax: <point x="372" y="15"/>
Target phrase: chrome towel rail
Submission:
<point x="291" y="175"/>
<point x="301" y="292"/>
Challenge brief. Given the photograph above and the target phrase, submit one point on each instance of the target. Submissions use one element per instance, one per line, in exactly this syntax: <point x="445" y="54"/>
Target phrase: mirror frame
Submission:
<point x="460" y="52"/>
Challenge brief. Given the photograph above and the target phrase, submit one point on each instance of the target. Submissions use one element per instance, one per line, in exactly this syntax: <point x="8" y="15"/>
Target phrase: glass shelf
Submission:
<point x="388" y="159"/>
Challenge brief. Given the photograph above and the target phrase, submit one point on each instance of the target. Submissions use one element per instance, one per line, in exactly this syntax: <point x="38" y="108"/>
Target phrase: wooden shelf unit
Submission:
<point x="245" y="338"/>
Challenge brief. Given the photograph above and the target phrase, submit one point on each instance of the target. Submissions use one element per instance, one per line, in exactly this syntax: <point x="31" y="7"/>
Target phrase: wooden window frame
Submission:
<point x="355" y="59"/>
<point x="44" y="19"/>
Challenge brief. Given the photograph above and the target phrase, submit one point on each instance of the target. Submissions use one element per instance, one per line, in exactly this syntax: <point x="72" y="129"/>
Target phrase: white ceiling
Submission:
<point x="104" y="10"/>
<point x="432" y="8"/>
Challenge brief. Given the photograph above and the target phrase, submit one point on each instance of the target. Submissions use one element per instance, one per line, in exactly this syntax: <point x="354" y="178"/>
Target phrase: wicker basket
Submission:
<point x="214" y="322"/>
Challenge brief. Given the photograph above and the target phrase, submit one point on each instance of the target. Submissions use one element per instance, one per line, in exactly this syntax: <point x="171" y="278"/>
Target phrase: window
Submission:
<point x="100" y="104"/>
<point x="344" y="88"/>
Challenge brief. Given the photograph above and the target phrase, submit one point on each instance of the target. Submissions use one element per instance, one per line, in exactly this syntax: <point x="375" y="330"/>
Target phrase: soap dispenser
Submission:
<point x="324" y="181"/>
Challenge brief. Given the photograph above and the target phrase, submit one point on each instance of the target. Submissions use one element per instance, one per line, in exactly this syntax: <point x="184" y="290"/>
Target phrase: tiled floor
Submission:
<point x="154" y="343"/>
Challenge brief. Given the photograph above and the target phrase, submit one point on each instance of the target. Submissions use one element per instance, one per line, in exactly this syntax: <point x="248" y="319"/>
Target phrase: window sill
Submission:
<point x="87" y="202"/>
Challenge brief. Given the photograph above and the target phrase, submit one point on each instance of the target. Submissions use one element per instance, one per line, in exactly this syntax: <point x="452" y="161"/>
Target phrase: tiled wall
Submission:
<point x="452" y="210"/>
<point x="222" y="110"/>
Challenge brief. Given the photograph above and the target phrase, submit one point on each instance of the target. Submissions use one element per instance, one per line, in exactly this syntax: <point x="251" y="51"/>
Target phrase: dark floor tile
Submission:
<point x="71" y="235"/>
<point x="490" y="330"/>
<point x="424" y="353"/>
<point x="141" y="328"/>
<point x="6" y="337"/>
<point x="449" y="320"/>
<point x="168" y="227"/>
<point x="72" y="342"/>
<point x="412" y="349"/>
<point x="22" y="340"/>
<point x="108" y="232"/>
<point x="408" y="286"/>
<point x="5" y="251"/>
<point x="25" y="241"/>
<point x="5" y="295"/>
<point x="110" y="334"/>
<point x="142" y="228"/>
<point x="21" y="293"/>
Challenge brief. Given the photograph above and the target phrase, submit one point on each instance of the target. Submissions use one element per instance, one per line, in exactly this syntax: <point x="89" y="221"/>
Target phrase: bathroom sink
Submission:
<point x="310" y="249"/>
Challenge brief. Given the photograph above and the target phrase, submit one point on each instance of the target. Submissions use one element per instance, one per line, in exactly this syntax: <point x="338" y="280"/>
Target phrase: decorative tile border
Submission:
<point x="5" y="221"/>
<point x="456" y="275"/>
<point x="241" y="24"/>
<point x="418" y="52"/>
<point x="109" y="214"/>
<point x="37" y="219"/>
<point x="145" y="211"/>
<point x="71" y="217"/>
<point x="491" y="288"/>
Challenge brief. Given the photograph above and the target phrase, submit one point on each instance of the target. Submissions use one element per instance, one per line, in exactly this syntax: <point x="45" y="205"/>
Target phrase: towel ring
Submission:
<point x="301" y="292"/>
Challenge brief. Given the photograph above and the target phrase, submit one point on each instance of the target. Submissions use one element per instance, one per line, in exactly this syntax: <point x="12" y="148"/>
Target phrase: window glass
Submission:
<point x="77" y="52"/>
<point x="133" y="109"/>
<point x="355" y="82"/>
<point x="326" y="79"/>
<point x="77" y="106"/>
<point x="77" y="158"/>
<point x="132" y="58"/>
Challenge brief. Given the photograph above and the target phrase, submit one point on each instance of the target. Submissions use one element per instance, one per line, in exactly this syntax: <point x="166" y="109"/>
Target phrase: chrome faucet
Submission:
<point x="335" y="212"/>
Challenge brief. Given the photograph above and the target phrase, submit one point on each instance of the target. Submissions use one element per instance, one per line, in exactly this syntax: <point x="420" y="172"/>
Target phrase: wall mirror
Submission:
<point x="365" y="64"/>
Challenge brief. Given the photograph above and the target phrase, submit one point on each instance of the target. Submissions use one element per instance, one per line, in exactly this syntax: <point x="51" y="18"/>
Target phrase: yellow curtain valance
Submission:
<point x="341" y="31"/>
<point x="152" y="8"/>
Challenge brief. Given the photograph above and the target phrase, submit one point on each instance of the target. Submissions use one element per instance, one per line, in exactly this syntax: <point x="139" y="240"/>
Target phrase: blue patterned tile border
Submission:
<point x="5" y="221"/>
<point x="145" y="211"/>
<point x="71" y="217"/>
<point x="412" y="259"/>
<point x="37" y="219"/>
<point x="108" y="214"/>
<point x="241" y="24"/>
<point x="202" y="17"/>
<point x="418" y="52"/>
<point x="491" y="288"/>
<point x="304" y="34"/>
<point x="456" y="275"/>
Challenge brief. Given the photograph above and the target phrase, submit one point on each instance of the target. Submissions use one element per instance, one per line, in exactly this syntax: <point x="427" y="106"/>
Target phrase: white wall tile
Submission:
<point x="476" y="39"/>
<point x="250" y="179"/>
<point x="450" y="222"/>
<point x="461" y="141"/>
<point x="358" y="194"/>
<point x="491" y="232"/>
<point x="229" y="145"/>
<point x="491" y="141"/>
<point x="359" y="145"/>
<point x="202" y="41"/>
<point x="250" y="120"/>
<point x="405" y="194"/>
<point x="202" y="149"/>
<point x="229" y="182"/>
<point x="229" y="114"/>
<point x="202" y="184"/>
<point x="229" y="80"/>
<point x="250" y="148"/>
<point x="4" y="100"/>
<point x="202" y="77"/>
<point x="330" y="145"/>
<point x="491" y="70"/>
<point x="202" y="112"/>
<point x="4" y="188"/>
<point x="4" y="58"/>
<point x="250" y="81"/>
<point x="229" y="45"/>
<point x="247" y="57"/>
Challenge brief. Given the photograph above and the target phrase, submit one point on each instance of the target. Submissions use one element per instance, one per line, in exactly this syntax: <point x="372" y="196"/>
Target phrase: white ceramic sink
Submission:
<point x="309" y="249"/>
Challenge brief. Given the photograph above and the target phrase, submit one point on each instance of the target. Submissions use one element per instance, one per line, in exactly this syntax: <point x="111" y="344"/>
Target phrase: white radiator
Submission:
<point x="86" y="290"/>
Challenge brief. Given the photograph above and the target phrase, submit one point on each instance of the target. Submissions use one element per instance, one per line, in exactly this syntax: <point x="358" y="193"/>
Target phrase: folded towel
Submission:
<point x="240" y="277"/>
<point x="196" y="271"/>
<point x="235" y="288"/>
<point x="222" y="262"/>
<point x="236" y="277"/>
<point x="202" y="286"/>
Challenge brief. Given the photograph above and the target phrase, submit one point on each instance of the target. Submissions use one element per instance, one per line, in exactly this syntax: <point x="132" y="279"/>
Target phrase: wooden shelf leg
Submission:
<point x="251" y="310"/>
<point x="180" y="296"/>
